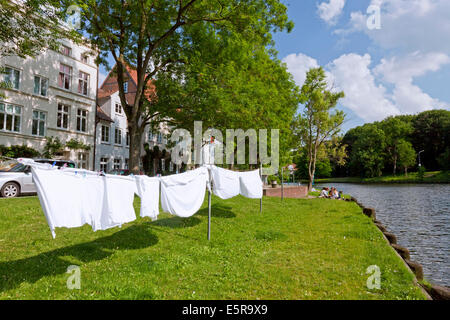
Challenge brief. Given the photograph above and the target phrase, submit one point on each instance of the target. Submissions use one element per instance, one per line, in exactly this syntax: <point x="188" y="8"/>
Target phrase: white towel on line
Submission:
<point x="148" y="191"/>
<point x="228" y="184"/>
<point x="225" y="182"/>
<point x="183" y="194"/>
<point x="251" y="185"/>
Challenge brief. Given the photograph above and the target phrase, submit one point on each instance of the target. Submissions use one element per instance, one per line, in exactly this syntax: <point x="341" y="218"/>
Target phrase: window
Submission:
<point x="85" y="58"/>
<point x="40" y="86"/>
<point x="105" y="133"/>
<point x="65" y="50"/>
<point x="83" y="160"/>
<point x="38" y="126"/>
<point x="126" y="163"/>
<point x="65" y="76"/>
<point x="12" y="76"/>
<point x="118" y="136"/>
<point x="170" y="166"/>
<point x="82" y="120"/>
<point x="118" y="108"/>
<point x="117" y="164"/>
<point x="10" y="117"/>
<point x="125" y="87"/>
<point x="62" y="119"/>
<point x="160" y="137"/>
<point x="83" y="83"/>
<point x="163" y="164"/>
<point x="104" y="164"/>
<point x="150" y="136"/>
<point x="127" y="139"/>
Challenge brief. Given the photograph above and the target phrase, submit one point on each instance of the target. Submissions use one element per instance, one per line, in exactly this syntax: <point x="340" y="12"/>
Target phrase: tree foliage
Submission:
<point x="402" y="138"/>
<point x="319" y="120"/>
<point x="173" y="41"/>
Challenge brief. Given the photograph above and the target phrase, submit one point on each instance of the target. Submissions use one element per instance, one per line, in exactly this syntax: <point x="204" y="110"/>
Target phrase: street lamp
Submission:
<point x="419" y="156"/>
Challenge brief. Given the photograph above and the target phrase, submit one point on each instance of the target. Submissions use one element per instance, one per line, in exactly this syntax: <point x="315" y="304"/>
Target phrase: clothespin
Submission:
<point x="75" y="172"/>
<point x="54" y="163"/>
<point x="84" y="174"/>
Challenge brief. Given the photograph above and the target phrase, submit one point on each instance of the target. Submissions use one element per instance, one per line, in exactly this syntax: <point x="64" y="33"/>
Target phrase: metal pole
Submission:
<point x="209" y="206"/>
<point x="260" y="200"/>
<point x="282" y="181"/>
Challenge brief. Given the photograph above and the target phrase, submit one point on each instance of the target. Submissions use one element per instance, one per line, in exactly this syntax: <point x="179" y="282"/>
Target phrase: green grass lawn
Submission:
<point x="429" y="177"/>
<point x="296" y="249"/>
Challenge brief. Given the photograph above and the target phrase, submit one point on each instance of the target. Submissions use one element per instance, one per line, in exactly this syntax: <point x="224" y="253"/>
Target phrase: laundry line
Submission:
<point x="74" y="197"/>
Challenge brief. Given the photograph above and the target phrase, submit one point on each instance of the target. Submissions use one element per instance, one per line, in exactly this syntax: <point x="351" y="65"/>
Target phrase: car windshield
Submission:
<point x="12" y="166"/>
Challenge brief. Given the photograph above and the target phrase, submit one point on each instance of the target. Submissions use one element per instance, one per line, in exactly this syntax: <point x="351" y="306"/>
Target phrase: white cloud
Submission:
<point x="298" y="65"/>
<point x="402" y="71"/>
<point x="409" y="25"/>
<point x="330" y="11"/>
<point x="363" y="96"/>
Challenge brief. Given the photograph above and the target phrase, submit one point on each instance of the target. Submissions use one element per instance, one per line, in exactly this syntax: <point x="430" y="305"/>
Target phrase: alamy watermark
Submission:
<point x="374" y="19"/>
<point x="224" y="149"/>
<point x="374" y="280"/>
<point x="74" y="280"/>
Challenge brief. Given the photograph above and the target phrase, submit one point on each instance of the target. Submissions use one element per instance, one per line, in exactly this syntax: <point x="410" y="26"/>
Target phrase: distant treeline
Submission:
<point x="391" y="146"/>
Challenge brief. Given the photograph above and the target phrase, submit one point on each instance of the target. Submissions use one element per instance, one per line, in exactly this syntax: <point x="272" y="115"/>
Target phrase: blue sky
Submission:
<point x="401" y="68"/>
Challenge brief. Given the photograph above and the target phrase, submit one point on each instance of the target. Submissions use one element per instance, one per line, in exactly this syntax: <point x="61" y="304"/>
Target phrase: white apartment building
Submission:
<point x="112" y="142"/>
<point x="53" y="94"/>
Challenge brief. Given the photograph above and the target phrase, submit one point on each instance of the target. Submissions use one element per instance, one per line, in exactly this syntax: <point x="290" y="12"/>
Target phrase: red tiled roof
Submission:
<point x="110" y="86"/>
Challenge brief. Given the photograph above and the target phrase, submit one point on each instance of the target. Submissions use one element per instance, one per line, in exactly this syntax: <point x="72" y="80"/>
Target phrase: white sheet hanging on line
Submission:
<point x="251" y="185"/>
<point x="60" y="194"/>
<point x="73" y="197"/>
<point x="225" y="182"/>
<point x="183" y="194"/>
<point x="148" y="191"/>
<point x="119" y="197"/>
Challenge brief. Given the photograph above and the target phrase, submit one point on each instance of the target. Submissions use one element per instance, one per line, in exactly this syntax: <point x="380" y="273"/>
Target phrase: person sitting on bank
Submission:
<point x="324" y="193"/>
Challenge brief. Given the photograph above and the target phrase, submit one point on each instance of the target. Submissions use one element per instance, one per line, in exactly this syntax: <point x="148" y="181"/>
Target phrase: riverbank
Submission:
<point x="295" y="249"/>
<point x="429" y="177"/>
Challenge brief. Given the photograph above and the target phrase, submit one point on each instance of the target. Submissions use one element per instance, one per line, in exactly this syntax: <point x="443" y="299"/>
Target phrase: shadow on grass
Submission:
<point x="218" y="211"/>
<point x="13" y="273"/>
<point x="177" y="222"/>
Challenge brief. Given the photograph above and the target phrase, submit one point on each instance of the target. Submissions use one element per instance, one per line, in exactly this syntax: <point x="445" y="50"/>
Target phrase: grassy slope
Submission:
<point x="298" y="249"/>
<point x="429" y="177"/>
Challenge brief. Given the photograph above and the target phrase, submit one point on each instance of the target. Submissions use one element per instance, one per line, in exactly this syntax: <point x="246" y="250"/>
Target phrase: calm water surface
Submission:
<point x="419" y="215"/>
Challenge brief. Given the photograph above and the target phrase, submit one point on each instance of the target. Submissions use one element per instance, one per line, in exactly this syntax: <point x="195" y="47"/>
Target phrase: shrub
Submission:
<point x="18" y="151"/>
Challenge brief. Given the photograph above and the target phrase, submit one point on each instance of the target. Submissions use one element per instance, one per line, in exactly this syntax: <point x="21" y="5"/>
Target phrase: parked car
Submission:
<point x="16" y="178"/>
<point x="120" y="172"/>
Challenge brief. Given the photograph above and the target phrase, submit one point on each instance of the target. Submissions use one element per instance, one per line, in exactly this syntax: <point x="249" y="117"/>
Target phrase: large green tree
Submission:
<point x="320" y="120"/>
<point x="367" y="156"/>
<point x="395" y="131"/>
<point x="431" y="134"/>
<point x="406" y="155"/>
<point x="171" y="37"/>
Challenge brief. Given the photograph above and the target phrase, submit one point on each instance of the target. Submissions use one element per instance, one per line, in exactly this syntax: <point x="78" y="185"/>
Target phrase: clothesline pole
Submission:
<point x="282" y="182"/>
<point x="260" y="200"/>
<point x="209" y="206"/>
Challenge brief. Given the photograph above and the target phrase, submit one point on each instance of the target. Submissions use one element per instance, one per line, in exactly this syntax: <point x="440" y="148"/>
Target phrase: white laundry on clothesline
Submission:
<point x="74" y="197"/>
<point x="183" y="194"/>
<point x="225" y="182"/>
<point x="148" y="191"/>
<point x="228" y="184"/>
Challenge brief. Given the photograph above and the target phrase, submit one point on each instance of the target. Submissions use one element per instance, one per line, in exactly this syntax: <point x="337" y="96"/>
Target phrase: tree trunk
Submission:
<point x="135" y="135"/>
<point x="395" y="165"/>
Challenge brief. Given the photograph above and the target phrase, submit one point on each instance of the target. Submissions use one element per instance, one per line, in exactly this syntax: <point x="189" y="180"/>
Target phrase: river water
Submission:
<point x="419" y="215"/>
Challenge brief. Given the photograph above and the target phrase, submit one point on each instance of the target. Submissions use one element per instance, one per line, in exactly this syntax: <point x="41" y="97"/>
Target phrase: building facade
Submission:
<point x="53" y="94"/>
<point x="112" y="142"/>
